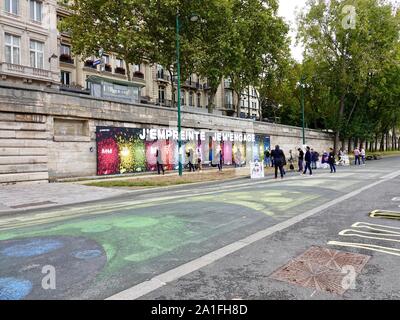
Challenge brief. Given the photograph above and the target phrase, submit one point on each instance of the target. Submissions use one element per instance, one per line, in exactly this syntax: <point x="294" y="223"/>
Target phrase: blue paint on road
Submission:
<point x="14" y="289"/>
<point x="31" y="248"/>
<point x="87" y="254"/>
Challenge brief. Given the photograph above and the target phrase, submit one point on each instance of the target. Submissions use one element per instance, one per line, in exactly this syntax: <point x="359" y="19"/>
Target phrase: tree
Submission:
<point x="346" y="56"/>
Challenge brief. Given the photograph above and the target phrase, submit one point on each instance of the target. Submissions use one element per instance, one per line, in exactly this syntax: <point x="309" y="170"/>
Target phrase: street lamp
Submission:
<point x="193" y="18"/>
<point x="303" y="78"/>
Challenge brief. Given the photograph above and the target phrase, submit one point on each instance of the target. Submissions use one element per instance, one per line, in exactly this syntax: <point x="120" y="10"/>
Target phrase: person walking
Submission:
<point x="279" y="159"/>
<point x="314" y="159"/>
<point x="267" y="158"/>
<point x="301" y="159"/>
<point x="332" y="161"/>
<point x="291" y="161"/>
<point x="191" y="164"/>
<point x="362" y="154"/>
<point x="160" y="165"/>
<point x="357" y="156"/>
<point x="307" y="158"/>
<point x="220" y="160"/>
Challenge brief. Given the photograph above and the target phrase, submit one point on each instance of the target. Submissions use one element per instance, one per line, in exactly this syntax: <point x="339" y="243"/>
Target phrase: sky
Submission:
<point x="288" y="10"/>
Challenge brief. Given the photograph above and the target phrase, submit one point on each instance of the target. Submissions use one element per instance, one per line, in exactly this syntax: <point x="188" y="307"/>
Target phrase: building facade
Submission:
<point x="28" y="36"/>
<point x="34" y="52"/>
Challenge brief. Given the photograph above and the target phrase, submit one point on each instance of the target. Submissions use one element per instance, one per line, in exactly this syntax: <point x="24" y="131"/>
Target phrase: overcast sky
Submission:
<point x="288" y="10"/>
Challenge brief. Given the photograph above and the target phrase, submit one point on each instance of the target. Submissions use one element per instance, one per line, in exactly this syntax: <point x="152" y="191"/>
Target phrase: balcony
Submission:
<point x="162" y="77"/>
<point x="138" y="74"/>
<point x="120" y="70"/>
<point x="66" y="58"/>
<point x="25" y="71"/>
<point x="164" y="103"/>
<point x="206" y="86"/>
<point x="228" y="84"/>
<point x="89" y="64"/>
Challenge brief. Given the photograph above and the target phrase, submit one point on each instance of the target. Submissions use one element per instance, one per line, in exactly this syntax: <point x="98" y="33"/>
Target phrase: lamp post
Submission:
<point x="303" y="78"/>
<point x="193" y="18"/>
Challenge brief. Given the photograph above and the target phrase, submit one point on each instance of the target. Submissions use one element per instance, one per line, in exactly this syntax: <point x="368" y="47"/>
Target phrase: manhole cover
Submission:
<point x="322" y="269"/>
<point x="35" y="204"/>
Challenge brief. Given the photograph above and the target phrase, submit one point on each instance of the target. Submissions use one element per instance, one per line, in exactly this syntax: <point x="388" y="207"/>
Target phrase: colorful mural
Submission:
<point x="126" y="150"/>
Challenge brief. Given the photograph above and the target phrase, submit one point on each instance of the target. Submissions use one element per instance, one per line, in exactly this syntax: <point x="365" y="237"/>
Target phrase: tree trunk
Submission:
<point x="341" y="112"/>
<point x="349" y="146"/>
<point x="382" y="144"/>
<point x="128" y="71"/>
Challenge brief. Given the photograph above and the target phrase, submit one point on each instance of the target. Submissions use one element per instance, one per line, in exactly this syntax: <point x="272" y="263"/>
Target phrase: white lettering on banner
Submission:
<point x="106" y="151"/>
<point x="192" y="135"/>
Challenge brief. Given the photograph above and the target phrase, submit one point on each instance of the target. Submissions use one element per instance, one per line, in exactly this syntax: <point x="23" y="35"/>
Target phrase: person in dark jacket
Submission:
<point x="301" y="159"/>
<point x="279" y="160"/>
<point x="331" y="160"/>
<point x="220" y="160"/>
<point x="307" y="158"/>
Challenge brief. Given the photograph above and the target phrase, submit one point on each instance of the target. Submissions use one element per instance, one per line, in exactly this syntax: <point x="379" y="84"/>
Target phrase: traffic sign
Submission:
<point x="96" y="62"/>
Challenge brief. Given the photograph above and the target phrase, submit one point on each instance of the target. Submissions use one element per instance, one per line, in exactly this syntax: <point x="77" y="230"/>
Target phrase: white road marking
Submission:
<point x="161" y="280"/>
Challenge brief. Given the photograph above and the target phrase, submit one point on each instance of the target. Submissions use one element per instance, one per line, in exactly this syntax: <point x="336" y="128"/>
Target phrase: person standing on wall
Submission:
<point x="279" y="159"/>
<point x="308" y="161"/>
<point x="220" y="160"/>
<point x="332" y="161"/>
<point x="159" y="162"/>
<point x="301" y="159"/>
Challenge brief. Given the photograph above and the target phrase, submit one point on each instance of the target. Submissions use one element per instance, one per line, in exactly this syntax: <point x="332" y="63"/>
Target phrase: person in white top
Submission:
<point x="357" y="156"/>
<point x="362" y="153"/>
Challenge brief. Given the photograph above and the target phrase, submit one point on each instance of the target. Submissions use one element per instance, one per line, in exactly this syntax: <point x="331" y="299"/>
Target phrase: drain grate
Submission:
<point x="35" y="204"/>
<point x="321" y="269"/>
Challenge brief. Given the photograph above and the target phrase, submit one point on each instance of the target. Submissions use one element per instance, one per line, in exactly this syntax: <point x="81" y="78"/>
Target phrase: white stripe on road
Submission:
<point x="161" y="280"/>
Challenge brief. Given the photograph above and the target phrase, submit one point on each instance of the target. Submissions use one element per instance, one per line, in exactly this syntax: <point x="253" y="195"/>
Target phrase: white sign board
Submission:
<point x="256" y="170"/>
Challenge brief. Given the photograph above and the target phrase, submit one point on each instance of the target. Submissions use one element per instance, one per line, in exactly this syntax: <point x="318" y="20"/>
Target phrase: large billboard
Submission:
<point x="129" y="150"/>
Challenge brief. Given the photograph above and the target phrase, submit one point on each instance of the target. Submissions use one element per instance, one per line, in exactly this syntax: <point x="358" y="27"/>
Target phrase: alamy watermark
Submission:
<point x="349" y="20"/>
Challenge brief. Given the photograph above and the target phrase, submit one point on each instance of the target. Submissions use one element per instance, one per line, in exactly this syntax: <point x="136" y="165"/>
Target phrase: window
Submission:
<point x="199" y="100"/>
<point x="160" y="72"/>
<point x="191" y="100"/>
<point x="36" y="10"/>
<point x="136" y="68"/>
<point x="228" y="99"/>
<point x="88" y="83"/>
<point x="161" y="94"/>
<point x="65" y="49"/>
<point x="119" y="63"/>
<point x="12" y="49"/>
<point x="106" y="59"/>
<point x="65" y="78"/>
<point x="183" y="97"/>
<point x="36" y="54"/>
<point x="12" y="6"/>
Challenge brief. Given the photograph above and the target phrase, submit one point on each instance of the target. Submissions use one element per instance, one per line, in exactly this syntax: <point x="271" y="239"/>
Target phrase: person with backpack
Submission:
<point x="279" y="160"/>
<point x="291" y="161"/>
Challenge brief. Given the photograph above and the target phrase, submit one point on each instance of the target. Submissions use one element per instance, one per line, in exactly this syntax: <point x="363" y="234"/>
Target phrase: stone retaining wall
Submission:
<point x="49" y="135"/>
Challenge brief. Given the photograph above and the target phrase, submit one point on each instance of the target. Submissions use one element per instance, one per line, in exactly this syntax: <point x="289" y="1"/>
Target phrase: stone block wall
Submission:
<point x="45" y="134"/>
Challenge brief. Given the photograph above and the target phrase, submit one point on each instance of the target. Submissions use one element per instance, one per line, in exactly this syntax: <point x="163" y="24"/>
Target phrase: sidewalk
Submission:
<point x="24" y="197"/>
<point x="21" y="197"/>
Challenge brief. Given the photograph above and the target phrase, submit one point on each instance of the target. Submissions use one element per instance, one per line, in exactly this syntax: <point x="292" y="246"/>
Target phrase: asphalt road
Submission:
<point x="216" y="241"/>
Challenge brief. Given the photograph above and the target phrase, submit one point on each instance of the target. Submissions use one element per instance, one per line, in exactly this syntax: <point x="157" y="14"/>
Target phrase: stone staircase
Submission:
<point x="23" y="148"/>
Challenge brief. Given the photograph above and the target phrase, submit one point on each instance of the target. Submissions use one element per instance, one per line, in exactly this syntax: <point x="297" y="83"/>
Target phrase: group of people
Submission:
<point x="191" y="161"/>
<point x="307" y="161"/>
